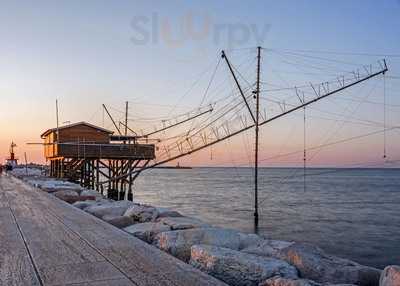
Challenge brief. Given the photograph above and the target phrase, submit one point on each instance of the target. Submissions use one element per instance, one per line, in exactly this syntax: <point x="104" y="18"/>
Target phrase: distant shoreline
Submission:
<point x="308" y="168"/>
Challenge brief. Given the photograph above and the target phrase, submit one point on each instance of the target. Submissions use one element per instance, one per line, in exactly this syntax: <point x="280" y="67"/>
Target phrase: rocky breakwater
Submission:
<point x="236" y="258"/>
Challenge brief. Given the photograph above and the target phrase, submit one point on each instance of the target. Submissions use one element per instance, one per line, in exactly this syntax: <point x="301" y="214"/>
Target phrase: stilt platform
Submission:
<point x="45" y="241"/>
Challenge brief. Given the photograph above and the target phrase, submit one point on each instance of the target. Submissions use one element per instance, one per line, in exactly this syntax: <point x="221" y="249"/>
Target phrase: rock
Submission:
<point x="117" y="208"/>
<point x="147" y="231"/>
<point x="65" y="192"/>
<point x="164" y="212"/>
<point x="93" y="193"/>
<point x="390" y="276"/>
<point x="52" y="190"/>
<point x="249" y="240"/>
<point x="314" y="264"/>
<point x="268" y="248"/>
<point x="47" y="184"/>
<point x="69" y="196"/>
<point x="142" y="213"/>
<point x="237" y="268"/>
<point x="179" y="242"/>
<point x="179" y="223"/>
<point x="118" y="221"/>
<point x="85" y="204"/>
<point x="280" y="281"/>
<point x="74" y="199"/>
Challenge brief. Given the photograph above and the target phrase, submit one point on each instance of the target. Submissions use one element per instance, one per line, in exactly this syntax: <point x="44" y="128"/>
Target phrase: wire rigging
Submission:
<point x="230" y="117"/>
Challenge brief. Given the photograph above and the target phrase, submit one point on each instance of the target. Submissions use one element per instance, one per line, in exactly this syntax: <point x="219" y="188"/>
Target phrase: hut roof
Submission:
<point x="76" y="124"/>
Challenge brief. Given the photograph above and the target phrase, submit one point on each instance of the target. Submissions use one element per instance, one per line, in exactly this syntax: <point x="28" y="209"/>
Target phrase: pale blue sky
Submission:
<point x="82" y="52"/>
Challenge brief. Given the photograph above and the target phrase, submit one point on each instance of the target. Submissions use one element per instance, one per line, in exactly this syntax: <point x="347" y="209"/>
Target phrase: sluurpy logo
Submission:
<point x="196" y="29"/>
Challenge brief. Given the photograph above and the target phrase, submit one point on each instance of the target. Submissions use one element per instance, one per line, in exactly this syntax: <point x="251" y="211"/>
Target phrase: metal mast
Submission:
<point x="126" y="118"/>
<point x="257" y="95"/>
<point x="57" y="118"/>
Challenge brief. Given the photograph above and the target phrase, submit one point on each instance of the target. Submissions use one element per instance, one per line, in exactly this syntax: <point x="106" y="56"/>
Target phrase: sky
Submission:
<point x="85" y="53"/>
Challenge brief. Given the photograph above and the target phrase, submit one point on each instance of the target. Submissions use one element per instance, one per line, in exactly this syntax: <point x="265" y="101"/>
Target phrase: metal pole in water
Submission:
<point x="257" y="95"/>
<point x="57" y="118"/>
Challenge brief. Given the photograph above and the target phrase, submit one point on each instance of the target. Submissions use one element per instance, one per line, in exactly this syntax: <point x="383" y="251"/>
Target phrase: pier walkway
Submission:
<point x="45" y="241"/>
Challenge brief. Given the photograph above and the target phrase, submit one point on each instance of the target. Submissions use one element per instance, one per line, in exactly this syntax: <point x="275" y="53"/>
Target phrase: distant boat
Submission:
<point x="178" y="166"/>
<point x="182" y="167"/>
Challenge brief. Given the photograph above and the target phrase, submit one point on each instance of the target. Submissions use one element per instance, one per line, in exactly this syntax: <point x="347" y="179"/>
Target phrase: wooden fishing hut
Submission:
<point x="88" y="154"/>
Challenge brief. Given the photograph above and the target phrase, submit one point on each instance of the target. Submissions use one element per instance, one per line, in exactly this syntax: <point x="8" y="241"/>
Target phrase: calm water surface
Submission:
<point x="350" y="213"/>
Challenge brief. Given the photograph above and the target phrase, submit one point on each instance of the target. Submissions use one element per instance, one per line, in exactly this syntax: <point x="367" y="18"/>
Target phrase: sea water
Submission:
<point x="351" y="213"/>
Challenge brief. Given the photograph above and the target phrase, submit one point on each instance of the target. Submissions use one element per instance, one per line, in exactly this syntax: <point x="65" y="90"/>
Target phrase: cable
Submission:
<point x="208" y="87"/>
<point x="316" y="147"/>
<point x="346" y="53"/>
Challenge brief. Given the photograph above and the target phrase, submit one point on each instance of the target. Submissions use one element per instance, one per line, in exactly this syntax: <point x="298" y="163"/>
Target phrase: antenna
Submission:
<point x="126" y="118"/>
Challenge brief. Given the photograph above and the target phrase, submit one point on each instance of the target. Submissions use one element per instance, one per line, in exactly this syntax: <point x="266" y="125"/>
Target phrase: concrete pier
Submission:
<point x="45" y="241"/>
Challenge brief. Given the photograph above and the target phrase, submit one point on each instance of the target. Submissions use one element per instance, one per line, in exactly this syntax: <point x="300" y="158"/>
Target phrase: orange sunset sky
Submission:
<point x="117" y="52"/>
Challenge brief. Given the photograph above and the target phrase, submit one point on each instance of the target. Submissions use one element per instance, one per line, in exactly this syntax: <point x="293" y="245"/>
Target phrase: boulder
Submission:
<point x="118" y="221"/>
<point x="280" y="281"/>
<point x="93" y="193"/>
<point x="179" y="242"/>
<point x="65" y="192"/>
<point x="52" y="190"/>
<point x="69" y="196"/>
<point x="164" y="212"/>
<point x="117" y="208"/>
<point x="390" y="276"/>
<point x="249" y="240"/>
<point x="85" y="204"/>
<point x="74" y="199"/>
<point x="147" y="231"/>
<point x="237" y="268"/>
<point x="179" y="223"/>
<point x="266" y="247"/>
<point x="53" y="184"/>
<point x="141" y="213"/>
<point x="314" y="264"/>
